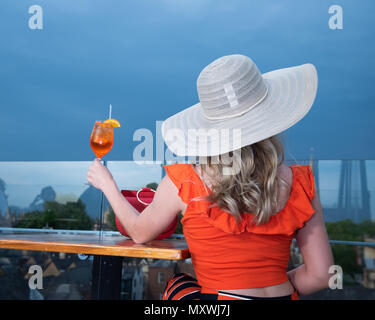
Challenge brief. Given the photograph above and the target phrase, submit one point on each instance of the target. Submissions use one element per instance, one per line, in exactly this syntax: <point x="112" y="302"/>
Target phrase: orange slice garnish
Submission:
<point x="113" y="122"/>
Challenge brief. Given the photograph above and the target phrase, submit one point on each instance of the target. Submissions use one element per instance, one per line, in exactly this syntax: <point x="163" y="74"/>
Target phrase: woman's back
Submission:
<point x="242" y="258"/>
<point x="286" y="175"/>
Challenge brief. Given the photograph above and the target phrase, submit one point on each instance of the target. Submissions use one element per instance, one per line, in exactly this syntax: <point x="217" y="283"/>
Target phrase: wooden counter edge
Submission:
<point x="95" y="249"/>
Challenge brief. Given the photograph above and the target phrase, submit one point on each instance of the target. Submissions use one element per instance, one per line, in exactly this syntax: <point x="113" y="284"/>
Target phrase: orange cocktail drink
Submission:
<point x="101" y="140"/>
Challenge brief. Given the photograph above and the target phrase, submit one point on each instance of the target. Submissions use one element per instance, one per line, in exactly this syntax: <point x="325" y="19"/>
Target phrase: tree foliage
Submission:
<point x="346" y="255"/>
<point x="152" y="185"/>
<point x="71" y="215"/>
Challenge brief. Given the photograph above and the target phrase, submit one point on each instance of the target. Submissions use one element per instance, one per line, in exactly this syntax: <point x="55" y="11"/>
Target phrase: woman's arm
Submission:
<point x="154" y="219"/>
<point x="313" y="242"/>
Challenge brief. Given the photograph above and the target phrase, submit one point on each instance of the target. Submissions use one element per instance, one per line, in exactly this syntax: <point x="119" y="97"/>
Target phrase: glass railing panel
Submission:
<point x="347" y="189"/>
<point x="347" y="193"/>
<point x="48" y="195"/>
<point x="54" y="195"/>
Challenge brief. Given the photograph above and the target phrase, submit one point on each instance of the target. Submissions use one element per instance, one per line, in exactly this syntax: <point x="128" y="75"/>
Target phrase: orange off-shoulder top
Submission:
<point x="229" y="255"/>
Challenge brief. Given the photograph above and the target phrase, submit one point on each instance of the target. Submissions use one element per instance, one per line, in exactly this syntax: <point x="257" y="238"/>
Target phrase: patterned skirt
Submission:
<point x="182" y="286"/>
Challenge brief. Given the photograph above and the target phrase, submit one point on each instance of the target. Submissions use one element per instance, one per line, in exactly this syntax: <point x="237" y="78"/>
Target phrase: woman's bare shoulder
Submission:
<point x="285" y="172"/>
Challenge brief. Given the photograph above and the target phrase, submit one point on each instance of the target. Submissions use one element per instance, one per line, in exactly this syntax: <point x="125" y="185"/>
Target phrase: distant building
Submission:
<point x="132" y="286"/>
<point x="107" y="216"/>
<point x="353" y="201"/>
<point x="186" y="266"/>
<point x="3" y="200"/>
<point x="158" y="274"/>
<point x="369" y="266"/>
<point x="295" y="258"/>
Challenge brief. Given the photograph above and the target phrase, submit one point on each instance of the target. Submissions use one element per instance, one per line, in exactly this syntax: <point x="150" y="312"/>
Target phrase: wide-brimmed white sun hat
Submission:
<point x="239" y="106"/>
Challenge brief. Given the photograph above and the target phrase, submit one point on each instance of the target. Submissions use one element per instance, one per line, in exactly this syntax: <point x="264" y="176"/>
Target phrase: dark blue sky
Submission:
<point x="144" y="56"/>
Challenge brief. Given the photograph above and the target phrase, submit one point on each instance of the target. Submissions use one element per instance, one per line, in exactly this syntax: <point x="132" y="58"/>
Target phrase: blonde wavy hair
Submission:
<point x="253" y="186"/>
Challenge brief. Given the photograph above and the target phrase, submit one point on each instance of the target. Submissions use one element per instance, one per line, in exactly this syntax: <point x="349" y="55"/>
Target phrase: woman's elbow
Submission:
<point x="140" y="239"/>
<point x="321" y="279"/>
<point x="138" y="234"/>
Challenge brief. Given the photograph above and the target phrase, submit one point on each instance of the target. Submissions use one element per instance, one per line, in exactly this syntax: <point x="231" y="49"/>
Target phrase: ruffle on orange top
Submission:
<point x="293" y="216"/>
<point x="231" y="255"/>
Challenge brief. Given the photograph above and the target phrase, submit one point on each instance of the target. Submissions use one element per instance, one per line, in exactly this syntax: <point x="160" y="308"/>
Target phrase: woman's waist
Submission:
<point x="256" y="280"/>
<point x="278" y="290"/>
<point x="281" y="290"/>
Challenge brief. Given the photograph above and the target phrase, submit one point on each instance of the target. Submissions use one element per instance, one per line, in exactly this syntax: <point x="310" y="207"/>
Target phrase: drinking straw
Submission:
<point x="110" y="111"/>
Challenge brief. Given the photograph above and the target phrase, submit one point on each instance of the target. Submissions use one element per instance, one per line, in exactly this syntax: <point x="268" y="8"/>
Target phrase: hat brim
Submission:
<point x="291" y="93"/>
